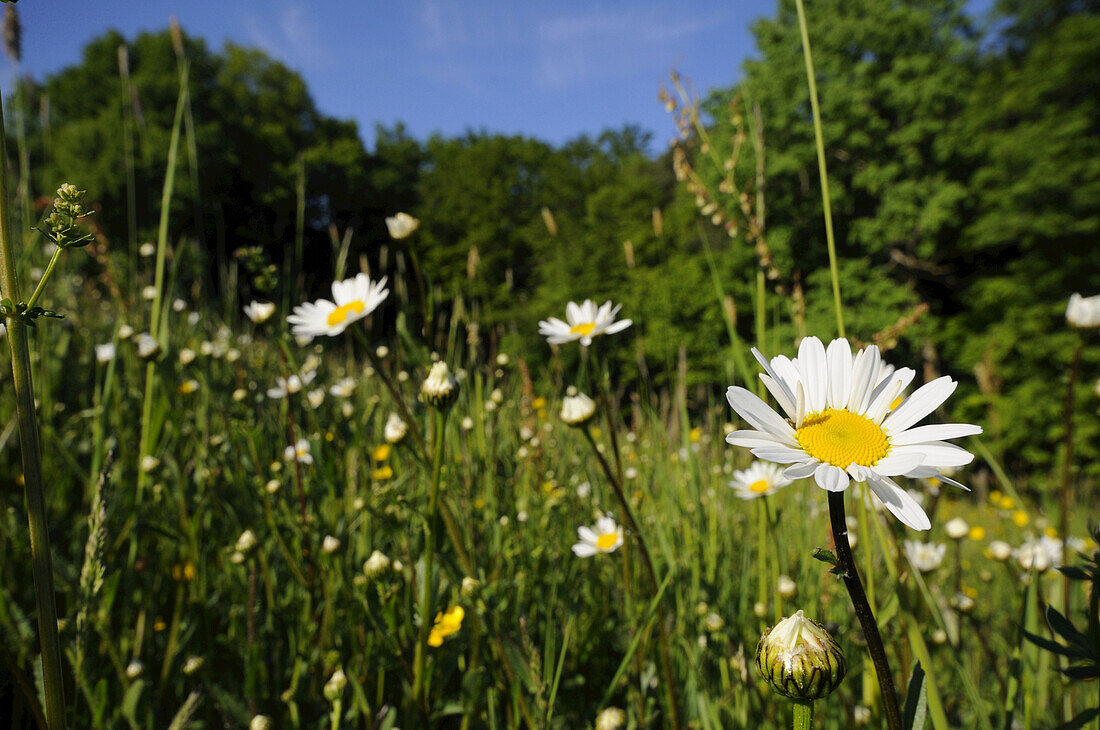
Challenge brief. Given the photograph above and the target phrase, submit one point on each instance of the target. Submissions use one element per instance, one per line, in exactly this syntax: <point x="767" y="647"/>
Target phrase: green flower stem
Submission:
<point x="761" y="553"/>
<point x="651" y="574"/>
<point x="31" y="452"/>
<point x="45" y="277"/>
<point x="863" y="611"/>
<point x="803" y="715"/>
<point x="821" y="166"/>
<point x="419" y="692"/>
<point x="1067" y="467"/>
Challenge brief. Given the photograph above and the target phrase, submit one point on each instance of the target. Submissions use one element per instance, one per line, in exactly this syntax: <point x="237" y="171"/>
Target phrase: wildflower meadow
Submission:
<point x="793" y="423"/>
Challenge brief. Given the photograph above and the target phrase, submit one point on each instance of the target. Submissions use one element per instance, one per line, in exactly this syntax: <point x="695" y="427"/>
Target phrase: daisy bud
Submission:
<point x="800" y="659"/>
<point x="334" y="687"/>
<point x="149" y="463"/>
<point x="395" y="429"/>
<point x="187" y="356"/>
<point x="149" y="293"/>
<point x="193" y="664"/>
<point x="786" y="587"/>
<point x="261" y="722"/>
<point x="125" y="332"/>
<point x="330" y="545"/>
<point x="502" y="360"/>
<point x="382" y="352"/>
<point x="246" y="541"/>
<point x="470" y="586"/>
<point x="147" y="250"/>
<point x="957" y="528"/>
<point x="376" y="564"/>
<point x="440" y="389"/>
<point x="611" y="718"/>
<point x="134" y="669"/>
<point x="577" y="410"/>
<point x="467" y="424"/>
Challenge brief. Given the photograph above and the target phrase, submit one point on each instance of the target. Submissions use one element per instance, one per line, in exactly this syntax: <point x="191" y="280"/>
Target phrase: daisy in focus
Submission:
<point x="603" y="537"/>
<point x="583" y="322"/>
<point x="840" y="425"/>
<point x="759" y="480"/>
<point x="352" y="300"/>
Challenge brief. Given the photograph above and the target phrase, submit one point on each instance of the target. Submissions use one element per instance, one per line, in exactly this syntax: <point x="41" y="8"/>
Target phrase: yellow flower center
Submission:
<point x="582" y="329"/>
<point x="605" y="541"/>
<point x="759" y="486"/>
<point x="339" y="314"/>
<point x="842" y="438"/>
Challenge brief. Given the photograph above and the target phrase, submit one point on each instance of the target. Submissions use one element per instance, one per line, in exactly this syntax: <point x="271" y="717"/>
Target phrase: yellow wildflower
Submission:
<point x="382" y="473"/>
<point x="446" y="623"/>
<point x="1020" y="518"/>
<point x="381" y="452"/>
<point x="977" y="532"/>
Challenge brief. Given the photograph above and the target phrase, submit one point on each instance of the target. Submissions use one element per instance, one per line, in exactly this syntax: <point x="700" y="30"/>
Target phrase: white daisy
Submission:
<point x="583" y="322"/>
<point x="290" y="386"/>
<point x="343" y="388"/>
<point x="353" y="299"/>
<point x="759" y="480"/>
<point x="603" y="537"/>
<point x="401" y="225"/>
<point x="925" y="556"/>
<point x="259" y="311"/>
<point x="298" y="452"/>
<point x="1083" y="312"/>
<point x="840" y="425"/>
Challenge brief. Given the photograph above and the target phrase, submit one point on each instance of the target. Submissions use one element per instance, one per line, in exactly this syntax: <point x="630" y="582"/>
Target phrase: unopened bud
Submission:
<point x="800" y="659"/>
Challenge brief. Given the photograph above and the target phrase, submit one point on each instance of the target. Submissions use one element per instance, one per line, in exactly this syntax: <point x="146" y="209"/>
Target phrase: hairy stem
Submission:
<point x="866" y="617"/>
<point x="31" y="451"/>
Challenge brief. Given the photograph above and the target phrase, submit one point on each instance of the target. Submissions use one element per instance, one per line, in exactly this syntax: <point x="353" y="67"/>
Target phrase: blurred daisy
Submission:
<point x="298" y="452"/>
<point x="342" y="388"/>
<point x="401" y="225"/>
<point x="841" y="428"/>
<point x="353" y="299"/>
<point x="290" y="386"/>
<point x="395" y="429"/>
<point x="925" y="556"/>
<point x="1083" y="311"/>
<point x="759" y="480"/>
<point x="259" y="311"/>
<point x="603" y="537"/>
<point x="105" y="352"/>
<point x="446" y="623"/>
<point x="583" y="322"/>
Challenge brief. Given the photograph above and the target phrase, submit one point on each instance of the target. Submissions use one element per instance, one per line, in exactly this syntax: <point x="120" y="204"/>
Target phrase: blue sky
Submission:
<point x="552" y="70"/>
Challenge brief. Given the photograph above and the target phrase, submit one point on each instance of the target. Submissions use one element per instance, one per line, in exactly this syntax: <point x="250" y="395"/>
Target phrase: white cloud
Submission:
<point x="291" y="35"/>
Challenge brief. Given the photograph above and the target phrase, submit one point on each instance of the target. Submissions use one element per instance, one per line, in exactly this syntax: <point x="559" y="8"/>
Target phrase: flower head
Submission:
<point x="759" y="480"/>
<point x="446" y="623"/>
<point x="1083" y="312"/>
<point x="925" y="556"/>
<point x="840" y="425"/>
<point x="105" y="352"/>
<point x="401" y="225"/>
<point x="395" y="429"/>
<point x="298" y="452"/>
<point x="800" y="659"/>
<point x="583" y="322"/>
<point x="440" y="388"/>
<point x="603" y="537"/>
<point x="352" y="300"/>
<point x="957" y="528"/>
<point x="577" y="410"/>
<point x="259" y="311"/>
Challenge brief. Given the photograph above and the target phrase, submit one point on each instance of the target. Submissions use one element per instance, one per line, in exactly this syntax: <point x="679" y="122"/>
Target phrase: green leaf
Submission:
<point x="916" y="700"/>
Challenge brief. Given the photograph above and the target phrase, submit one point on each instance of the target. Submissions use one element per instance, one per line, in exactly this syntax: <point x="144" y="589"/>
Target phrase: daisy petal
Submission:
<point x="900" y="503"/>
<point x="936" y="453"/>
<point x="935" y="432"/>
<point x="839" y="355"/>
<point x="801" y="471"/>
<point x="924" y="400"/>
<point x="758" y="414"/>
<point x="779" y="454"/>
<point x="831" y="478"/>
<point x="898" y="462"/>
<point x="814" y="372"/>
<point x="584" y="550"/>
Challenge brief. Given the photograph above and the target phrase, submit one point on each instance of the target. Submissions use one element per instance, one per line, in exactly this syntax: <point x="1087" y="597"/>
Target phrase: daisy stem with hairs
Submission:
<point x="31" y="451"/>
<point x="867" y="623"/>
<point x="803" y="715"/>
<point x="651" y="574"/>
<point x="439" y="420"/>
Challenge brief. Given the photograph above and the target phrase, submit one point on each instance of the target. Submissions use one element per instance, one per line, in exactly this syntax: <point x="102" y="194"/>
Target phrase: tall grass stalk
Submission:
<point x="31" y="452"/>
<point x="821" y="170"/>
<point x="162" y="247"/>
